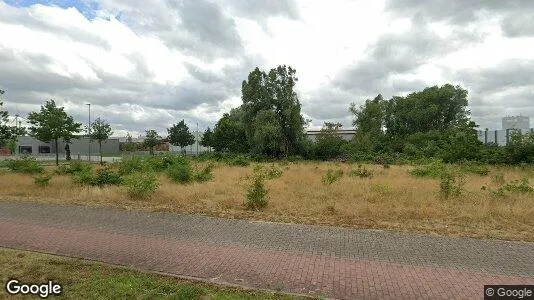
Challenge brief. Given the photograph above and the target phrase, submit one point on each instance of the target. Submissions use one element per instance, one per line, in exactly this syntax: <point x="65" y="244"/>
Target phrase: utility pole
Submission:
<point x="89" y="130"/>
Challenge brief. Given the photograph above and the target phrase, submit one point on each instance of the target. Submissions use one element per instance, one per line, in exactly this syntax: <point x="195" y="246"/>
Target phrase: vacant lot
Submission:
<point x="85" y="280"/>
<point x="390" y="199"/>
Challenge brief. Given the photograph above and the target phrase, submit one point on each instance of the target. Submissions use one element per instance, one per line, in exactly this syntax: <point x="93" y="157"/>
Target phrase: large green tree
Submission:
<point x="100" y="131"/>
<point x="273" y="91"/>
<point x="52" y="123"/>
<point x="152" y="139"/>
<point x="229" y="134"/>
<point x="179" y="135"/>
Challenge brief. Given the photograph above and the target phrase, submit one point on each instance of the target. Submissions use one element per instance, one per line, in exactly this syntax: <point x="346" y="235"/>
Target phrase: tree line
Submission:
<point x="432" y="123"/>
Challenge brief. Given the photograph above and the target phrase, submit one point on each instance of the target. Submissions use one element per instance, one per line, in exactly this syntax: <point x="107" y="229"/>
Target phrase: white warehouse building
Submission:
<point x="501" y="137"/>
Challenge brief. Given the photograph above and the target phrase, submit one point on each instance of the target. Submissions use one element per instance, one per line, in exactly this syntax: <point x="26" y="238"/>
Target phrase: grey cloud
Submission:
<point x="517" y="14"/>
<point x="398" y="54"/>
<point x="512" y="73"/>
<point x="518" y="25"/>
<point x="264" y="9"/>
<point x="198" y="28"/>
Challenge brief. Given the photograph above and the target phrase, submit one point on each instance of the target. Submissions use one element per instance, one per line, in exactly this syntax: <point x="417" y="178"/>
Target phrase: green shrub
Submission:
<point x="239" y="160"/>
<point x="270" y="172"/>
<point x="180" y="173"/>
<point x="42" y="180"/>
<point x="73" y="167"/>
<point x="257" y="194"/>
<point x="273" y="172"/>
<point x="332" y="176"/>
<point x="434" y="170"/>
<point x="205" y="174"/>
<point x="519" y="186"/>
<point x="106" y="176"/>
<point x="129" y="165"/>
<point x="451" y="185"/>
<point x="84" y="177"/>
<point x="361" y="172"/>
<point x="141" y="184"/>
<point x="28" y="165"/>
<point x="160" y="163"/>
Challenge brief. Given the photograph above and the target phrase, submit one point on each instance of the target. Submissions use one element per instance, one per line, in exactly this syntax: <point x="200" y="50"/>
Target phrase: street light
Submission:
<point x="89" y="130"/>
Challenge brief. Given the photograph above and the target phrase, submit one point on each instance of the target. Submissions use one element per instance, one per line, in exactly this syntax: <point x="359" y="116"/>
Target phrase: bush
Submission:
<point x="205" y="174"/>
<point x="361" y="172"/>
<point x="106" y="176"/>
<point x="257" y="194"/>
<point x="27" y="165"/>
<point x="129" y="165"/>
<point x="141" y="185"/>
<point x="160" y="163"/>
<point x="271" y="172"/>
<point x="180" y="173"/>
<point x="73" y="167"/>
<point x="451" y="185"/>
<point x="434" y="170"/>
<point x="519" y="186"/>
<point x="332" y="176"/>
<point x="84" y="177"/>
<point x="239" y="160"/>
<point x="42" y="180"/>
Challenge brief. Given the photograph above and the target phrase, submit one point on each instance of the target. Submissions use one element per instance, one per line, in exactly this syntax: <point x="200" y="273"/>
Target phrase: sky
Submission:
<point x="147" y="65"/>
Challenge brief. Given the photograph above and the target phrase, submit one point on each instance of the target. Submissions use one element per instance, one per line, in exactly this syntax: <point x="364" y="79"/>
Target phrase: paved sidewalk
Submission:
<point x="313" y="260"/>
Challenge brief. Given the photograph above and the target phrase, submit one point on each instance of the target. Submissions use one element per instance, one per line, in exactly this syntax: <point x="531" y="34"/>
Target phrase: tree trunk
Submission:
<point x="100" y="145"/>
<point x="57" y="153"/>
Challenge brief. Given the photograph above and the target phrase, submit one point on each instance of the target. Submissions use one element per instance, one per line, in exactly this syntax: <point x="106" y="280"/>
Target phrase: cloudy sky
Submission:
<point x="148" y="64"/>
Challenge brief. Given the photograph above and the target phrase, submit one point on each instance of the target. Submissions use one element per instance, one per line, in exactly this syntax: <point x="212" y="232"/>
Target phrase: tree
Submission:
<point x="152" y="139"/>
<point x="207" y="139"/>
<point x="268" y="134"/>
<point x="51" y="124"/>
<point x="273" y="92"/>
<point x="329" y="142"/>
<point x="179" y="135"/>
<point x="229" y="133"/>
<point x="6" y="131"/>
<point x="129" y="145"/>
<point x="100" y="131"/>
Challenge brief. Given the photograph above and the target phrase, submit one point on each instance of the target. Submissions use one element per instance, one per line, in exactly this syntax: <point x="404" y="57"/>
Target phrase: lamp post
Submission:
<point x="89" y="130"/>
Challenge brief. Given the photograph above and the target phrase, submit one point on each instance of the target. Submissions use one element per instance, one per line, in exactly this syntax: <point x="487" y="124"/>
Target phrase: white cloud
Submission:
<point x="154" y="65"/>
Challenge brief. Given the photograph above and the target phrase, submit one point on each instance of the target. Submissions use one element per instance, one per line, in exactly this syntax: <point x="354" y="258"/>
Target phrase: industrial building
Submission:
<point x="81" y="145"/>
<point x="502" y="136"/>
<point x="346" y="134"/>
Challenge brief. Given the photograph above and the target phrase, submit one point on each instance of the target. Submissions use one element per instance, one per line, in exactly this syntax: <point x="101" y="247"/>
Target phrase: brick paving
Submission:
<point x="313" y="260"/>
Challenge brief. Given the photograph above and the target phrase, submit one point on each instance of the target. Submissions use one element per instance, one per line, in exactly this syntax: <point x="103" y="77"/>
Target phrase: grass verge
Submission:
<point x="90" y="280"/>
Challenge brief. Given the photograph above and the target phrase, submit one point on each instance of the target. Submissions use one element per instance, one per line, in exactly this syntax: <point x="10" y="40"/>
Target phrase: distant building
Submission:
<point x="501" y="137"/>
<point x="79" y="145"/>
<point x="191" y="149"/>
<point x="346" y="134"/>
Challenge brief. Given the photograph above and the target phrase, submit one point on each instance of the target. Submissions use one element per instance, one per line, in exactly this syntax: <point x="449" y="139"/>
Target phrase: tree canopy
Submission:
<point x="152" y="139"/>
<point x="100" y="131"/>
<point x="52" y="123"/>
<point x="179" y="135"/>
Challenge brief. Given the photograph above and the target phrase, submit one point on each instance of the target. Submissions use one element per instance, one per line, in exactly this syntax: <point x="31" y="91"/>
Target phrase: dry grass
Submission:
<point x="391" y="200"/>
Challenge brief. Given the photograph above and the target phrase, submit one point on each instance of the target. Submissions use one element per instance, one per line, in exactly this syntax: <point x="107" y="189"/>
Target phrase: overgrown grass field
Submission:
<point x="473" y="201"/>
